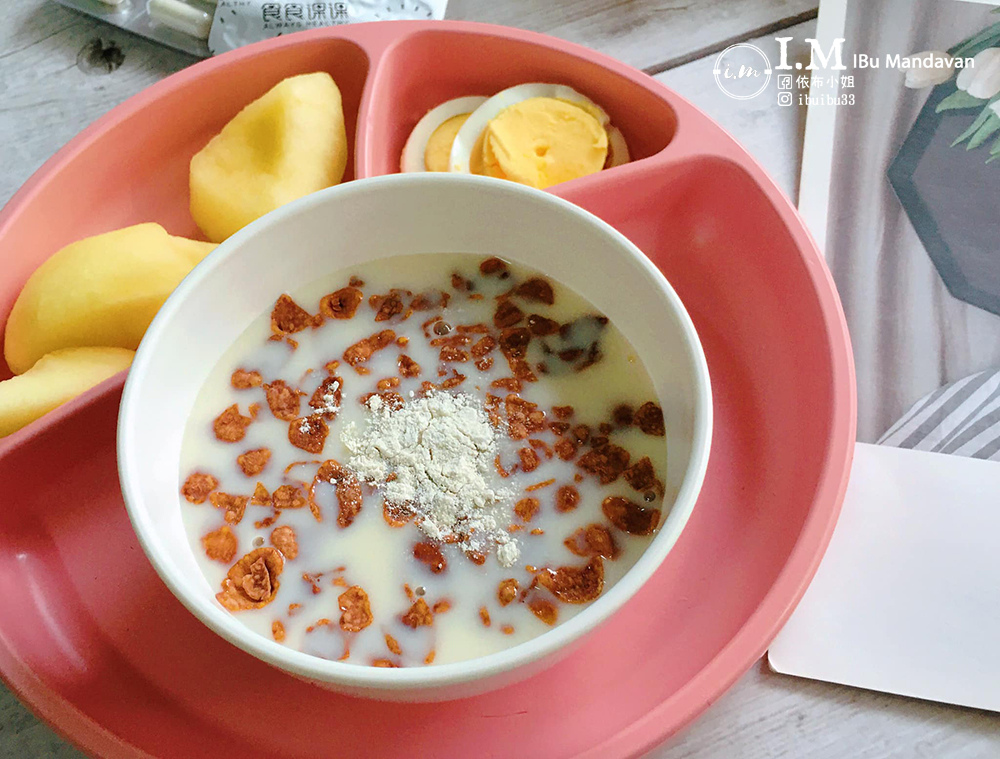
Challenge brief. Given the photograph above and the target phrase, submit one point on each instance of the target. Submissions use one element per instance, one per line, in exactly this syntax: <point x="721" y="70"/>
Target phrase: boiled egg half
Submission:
<point x="428" y="147"/>
<point x="535" y="134"/>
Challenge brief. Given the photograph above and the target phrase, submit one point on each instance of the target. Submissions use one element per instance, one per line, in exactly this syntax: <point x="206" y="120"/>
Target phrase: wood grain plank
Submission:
<point x="771" y="133"/>
<point x="46" y="98"/>
<point x="24" y="736"/>
<point x="768" y="716"/>
<point x="644" y="33"/>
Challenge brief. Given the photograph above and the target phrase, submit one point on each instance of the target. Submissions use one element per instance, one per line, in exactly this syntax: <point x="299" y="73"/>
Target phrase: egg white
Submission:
<point x="617" y="148"/>
<point x="468" y="135"/>
<point x="412" y="158"/>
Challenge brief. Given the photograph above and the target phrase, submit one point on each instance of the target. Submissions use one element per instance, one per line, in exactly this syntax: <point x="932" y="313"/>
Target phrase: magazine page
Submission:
<point x="904" y="598"/>
<point x="912" y="239"/>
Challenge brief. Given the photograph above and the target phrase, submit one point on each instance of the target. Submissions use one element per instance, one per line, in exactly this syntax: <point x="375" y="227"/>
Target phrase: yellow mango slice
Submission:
<point x="56" y="378"/>
<point x="100" y="291"/>
<point x="288" y="143"/>
<point x="193" y="250"/>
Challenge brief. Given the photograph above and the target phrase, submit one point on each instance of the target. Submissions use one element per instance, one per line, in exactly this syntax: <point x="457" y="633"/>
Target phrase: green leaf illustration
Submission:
<point x="958" y="99"/>
<point x="981" y="119"/>
<point x="978" y="42"/>
<point x="987" y="130"/>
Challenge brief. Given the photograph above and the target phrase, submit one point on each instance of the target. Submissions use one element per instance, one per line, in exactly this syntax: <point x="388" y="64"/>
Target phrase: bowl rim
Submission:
<point x="359" y="676"/>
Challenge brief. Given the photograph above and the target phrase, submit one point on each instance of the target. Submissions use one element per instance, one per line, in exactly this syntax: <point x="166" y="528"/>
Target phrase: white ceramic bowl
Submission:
<point x="351" y="224"/>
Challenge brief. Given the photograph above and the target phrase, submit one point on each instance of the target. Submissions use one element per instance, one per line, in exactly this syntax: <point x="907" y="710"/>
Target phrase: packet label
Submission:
<point x="208" y="27"/>
<point x="240" y="22"/>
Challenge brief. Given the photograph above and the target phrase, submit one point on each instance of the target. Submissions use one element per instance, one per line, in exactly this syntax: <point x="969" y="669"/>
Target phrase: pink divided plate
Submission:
<point x="97" y="646"/>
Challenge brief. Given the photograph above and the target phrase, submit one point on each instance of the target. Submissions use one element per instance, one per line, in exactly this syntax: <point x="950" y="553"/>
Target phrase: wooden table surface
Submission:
<point x="46" y="98"/>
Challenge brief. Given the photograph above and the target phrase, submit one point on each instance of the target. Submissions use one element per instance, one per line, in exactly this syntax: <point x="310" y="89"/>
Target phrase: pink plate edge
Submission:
<point x="756" y="635"/>
<point x="750" y="642"/>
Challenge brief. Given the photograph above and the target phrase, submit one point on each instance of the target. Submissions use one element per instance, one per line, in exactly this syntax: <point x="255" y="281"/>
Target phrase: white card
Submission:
<point x="907" y="598"/>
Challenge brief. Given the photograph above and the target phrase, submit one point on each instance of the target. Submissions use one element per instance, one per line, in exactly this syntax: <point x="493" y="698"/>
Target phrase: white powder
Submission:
<point x="441" y="450"/>
<point x="328" y="401"/>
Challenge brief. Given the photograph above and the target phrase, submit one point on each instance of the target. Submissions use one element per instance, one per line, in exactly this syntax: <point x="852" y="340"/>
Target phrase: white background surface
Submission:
<point x="906" y="597"/>
<point x="45" y="99"/>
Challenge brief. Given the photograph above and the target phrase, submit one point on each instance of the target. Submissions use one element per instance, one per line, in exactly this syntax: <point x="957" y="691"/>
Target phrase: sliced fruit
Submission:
<point x="288" y="143"/>
<point x="100" y="291"/>
<point x="55" y="379"/>
<point x="193" y="250"/>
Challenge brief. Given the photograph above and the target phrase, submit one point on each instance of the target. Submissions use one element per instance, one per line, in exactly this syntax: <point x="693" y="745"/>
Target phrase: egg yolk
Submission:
<point x="437" y="154"/>
<point x="543" y="141"/>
